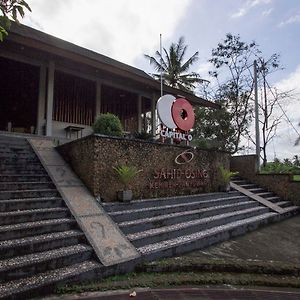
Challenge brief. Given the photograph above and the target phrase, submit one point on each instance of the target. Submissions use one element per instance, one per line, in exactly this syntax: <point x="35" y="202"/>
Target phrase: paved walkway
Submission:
<point x="278" y="242"/>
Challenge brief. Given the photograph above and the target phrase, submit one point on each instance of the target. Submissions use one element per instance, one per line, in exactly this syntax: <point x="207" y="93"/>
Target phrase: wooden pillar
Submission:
<point x="50" y="92"/>
<point x="98" y="97"/>
<point x="139" y="111"/>
<point x="41" y="101"/>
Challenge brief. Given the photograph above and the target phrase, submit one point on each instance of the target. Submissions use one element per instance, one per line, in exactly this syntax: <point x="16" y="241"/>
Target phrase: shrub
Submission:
<point x="143" y="136"/>
<point x="126" y="174"/>
<point x="108" y="124"/>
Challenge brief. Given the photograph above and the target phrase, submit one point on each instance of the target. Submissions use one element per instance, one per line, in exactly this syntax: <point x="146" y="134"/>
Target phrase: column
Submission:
<point x="50" y="92"/>
<point x="41" y="101"/>
<point x="139" y="111"/>
<point x="153" y="114"/>
<point x="98" y="97"/>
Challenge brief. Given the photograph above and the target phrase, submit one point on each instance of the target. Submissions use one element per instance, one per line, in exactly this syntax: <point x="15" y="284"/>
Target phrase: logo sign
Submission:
<point x="184" y="157"/>
<point x="176" y="114"/>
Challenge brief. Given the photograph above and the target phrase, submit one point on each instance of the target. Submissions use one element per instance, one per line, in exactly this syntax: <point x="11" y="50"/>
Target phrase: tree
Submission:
<point x="270" y="104"/>
<point x="10" y="10"/>
<point x="174" y="69"/>
<point x="231" y="60"/>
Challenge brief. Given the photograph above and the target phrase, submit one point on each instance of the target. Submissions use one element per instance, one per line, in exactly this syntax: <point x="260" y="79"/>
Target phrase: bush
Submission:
<point x="108" y="124"/>
<point x="143" y="136"/>
<point x="126" y="174"/>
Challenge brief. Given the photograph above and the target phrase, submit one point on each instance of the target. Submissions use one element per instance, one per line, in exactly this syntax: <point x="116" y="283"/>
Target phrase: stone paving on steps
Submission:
<point x="108" y="242"/>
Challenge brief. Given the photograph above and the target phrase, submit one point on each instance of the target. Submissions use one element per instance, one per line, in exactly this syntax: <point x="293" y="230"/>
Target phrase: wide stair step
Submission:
<point x="42" y="280"/>
<point x="31" y="215"/>
<point x="204" y="238"/>
<point x="30" y="203"/>
<point x="15" y="231"/>
<point x="39" y="193"/>
<point x="40" y="241"/>
<point x="29" y="185"/>
<point x="149" y="203"/>
<point x="143" y="238"/>
<point x="24" y="178"/>
<point x="184" y="216"/>
<point x="149" y="212"/>
<point x="28" y="265"/>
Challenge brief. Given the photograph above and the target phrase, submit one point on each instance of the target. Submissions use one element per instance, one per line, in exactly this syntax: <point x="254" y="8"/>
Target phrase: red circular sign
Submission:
<point x="183" y="114"/>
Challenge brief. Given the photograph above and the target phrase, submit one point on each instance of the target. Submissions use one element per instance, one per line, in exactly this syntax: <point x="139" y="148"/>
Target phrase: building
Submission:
<point x="51" y="87"/>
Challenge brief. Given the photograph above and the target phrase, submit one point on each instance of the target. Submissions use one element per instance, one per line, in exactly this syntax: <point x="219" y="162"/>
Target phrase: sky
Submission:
<point x="127" y="29"/>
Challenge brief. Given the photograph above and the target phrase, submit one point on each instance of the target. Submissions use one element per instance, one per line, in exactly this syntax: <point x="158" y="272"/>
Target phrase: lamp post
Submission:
<point x="257" y="137"/>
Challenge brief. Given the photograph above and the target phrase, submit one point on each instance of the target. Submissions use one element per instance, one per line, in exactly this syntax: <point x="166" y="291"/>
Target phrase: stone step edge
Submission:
<point x="24" y="182"/>
<point x="107" y="204"/>
<point x="30" y="225"/>
<point x="121" y="212"/>
<point x="22" y="175"/>
<point x="178" y="226"/>
<point x="202" y="234"/>
<point x="47" y="278"/>
<point x="36" y="239"/>
<point x="37" y="199"/>
<point x="28" y="191"/>
<point x="16" y="213"/>
<point x="40" y="257"/>
<point x="186" y="213"/>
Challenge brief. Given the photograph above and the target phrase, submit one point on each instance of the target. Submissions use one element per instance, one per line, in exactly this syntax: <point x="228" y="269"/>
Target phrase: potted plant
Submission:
<point x="226" y="176"/>
<point x="125" y="175"/>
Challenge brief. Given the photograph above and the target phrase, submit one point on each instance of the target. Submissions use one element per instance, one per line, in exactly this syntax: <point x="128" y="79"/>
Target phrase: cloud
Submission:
<point x="248" y="5"/>
<point x="204" y="68"/>
<point x="290" y="20"/>
<point x="123" y="29"/>
<point x="287" y="135"/>
<point x="267" y="12"/>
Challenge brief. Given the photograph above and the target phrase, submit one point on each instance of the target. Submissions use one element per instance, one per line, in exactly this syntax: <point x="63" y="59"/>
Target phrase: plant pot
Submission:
<point x="224" y="188"/>
<point x="125" y="196"/>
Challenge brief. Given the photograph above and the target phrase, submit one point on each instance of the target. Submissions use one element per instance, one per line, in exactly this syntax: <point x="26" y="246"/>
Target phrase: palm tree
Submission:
<point x="174" y="69"/>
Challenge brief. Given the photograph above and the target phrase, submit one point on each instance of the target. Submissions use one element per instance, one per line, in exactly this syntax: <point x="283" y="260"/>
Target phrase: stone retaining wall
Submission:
<point x="281" y="184"/>
<point x="94" y="157"/>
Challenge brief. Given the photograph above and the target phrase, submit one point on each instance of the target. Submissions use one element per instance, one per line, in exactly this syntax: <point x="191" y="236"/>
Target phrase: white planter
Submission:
<point x="125" y="196"/>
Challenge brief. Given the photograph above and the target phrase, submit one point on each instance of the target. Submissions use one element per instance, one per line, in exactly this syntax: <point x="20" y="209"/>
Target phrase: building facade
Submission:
<point x="50" y="86"/>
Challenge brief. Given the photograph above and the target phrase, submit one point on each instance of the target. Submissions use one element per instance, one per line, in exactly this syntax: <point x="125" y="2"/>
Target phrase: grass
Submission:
<point x="190" y="271"/>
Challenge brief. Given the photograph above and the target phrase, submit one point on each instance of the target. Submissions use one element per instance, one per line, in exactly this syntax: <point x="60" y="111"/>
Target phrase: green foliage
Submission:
<point x="10" y="10"/>
<point x="143" y="136"/>
<point x="230" y="59"/>
<point x="175" y="70"/>
<point x="108" y="124"/>
<point x="282" y="167"/>
<point x="226" y="174"/>
<point x="126" y="174"/>
<point x="214" y="129"/>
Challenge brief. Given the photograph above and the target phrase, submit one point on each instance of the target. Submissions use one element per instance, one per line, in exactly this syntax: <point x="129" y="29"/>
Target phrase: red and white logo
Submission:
<point x="176" y="114"/>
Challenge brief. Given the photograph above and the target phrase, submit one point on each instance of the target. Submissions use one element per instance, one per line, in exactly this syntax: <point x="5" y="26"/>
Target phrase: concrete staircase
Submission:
<point x="288" y="207"/>
<point x="172" y="226"/>
<point x="40" y="242"/>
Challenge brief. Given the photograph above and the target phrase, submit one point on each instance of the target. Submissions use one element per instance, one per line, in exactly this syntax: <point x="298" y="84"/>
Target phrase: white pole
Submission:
<point x="257" y="138"/>
<point x="161" y="69"/>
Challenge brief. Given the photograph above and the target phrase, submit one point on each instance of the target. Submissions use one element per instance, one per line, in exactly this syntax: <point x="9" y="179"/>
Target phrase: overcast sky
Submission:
<point x="126" y="29"/>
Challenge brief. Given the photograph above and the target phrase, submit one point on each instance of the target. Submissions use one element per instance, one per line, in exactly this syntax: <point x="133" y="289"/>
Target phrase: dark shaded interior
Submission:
<point x="121" y="103"/>
<point x="18" y="95"/>
<point x="74" y="99"/>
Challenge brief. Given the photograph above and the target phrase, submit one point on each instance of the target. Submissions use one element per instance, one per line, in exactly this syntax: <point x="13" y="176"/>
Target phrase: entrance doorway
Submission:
<point x="19" y="87"/>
